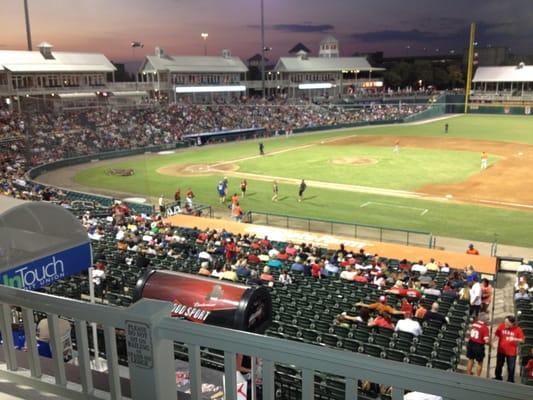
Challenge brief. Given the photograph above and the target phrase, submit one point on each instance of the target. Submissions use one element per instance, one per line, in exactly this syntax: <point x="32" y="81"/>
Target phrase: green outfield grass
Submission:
<point x="418" y="167"/>
<point x="409" y="170"/>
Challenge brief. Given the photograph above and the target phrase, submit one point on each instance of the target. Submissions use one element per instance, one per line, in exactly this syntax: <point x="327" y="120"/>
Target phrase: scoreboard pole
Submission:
<point x="469" y="74"/>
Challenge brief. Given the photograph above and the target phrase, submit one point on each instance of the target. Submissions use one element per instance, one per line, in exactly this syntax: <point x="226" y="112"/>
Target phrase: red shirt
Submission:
<point x="406" y="307"/>
<point x="282" y="256"/>
<point x="413" y="293"/>
<point x="315" y="270"/>
<point x="383" y="323"/>
<point x="360" y="278"/>
<point x="479" y="333"/>
<point x="398" y="291"/>
<point x="253" y="259"/>
<point x="505" y="346"/>
<point x="529" y="368"/>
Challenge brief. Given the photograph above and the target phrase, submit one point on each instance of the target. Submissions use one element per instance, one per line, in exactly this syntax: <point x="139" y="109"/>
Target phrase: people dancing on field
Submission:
<point x="301" y="190"/>
<point x="275" y="191"/>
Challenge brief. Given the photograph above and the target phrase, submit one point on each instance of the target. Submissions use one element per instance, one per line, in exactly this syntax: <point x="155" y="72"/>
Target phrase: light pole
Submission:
<point x="135" y="45"/>
<point x="28" y="30"/>
<point x="204" y="36"/>
<point x="263" y="48"/>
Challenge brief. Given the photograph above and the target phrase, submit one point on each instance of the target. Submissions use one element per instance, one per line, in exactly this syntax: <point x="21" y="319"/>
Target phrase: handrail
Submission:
<point x="150" y="333"/>
<point x="249" y="217"/>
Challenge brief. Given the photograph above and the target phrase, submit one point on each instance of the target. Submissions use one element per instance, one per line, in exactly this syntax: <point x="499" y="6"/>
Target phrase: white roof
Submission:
<point x="504" y="74"/>
<point x="33" y="61"/>
<point x="193" y="64"/>
<point x="323" y="64"/>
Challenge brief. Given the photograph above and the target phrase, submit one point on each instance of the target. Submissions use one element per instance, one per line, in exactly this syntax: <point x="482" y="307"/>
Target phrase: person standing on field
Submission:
<point x="244" y="186"/>
<point x="396" y="148"/>
<point x="446" y="128"/>
<point x="275" y="191"/>
<point x="484" y="160"/>
<point x="177" y="197"/>
<point x="301" y="190"/>
<point x="261" y="149"/>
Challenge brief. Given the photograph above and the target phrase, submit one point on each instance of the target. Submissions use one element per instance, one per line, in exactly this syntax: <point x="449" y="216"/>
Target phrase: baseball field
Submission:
<point x="433" y="183"/>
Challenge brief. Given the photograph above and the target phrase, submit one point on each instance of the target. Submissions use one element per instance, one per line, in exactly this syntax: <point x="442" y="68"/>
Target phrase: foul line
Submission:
<point x="305" y="146"/>
<point x="424" y="211"/>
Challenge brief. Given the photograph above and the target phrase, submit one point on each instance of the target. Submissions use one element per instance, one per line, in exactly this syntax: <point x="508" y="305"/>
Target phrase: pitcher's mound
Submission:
<point x="354" y="161"/>
<point x="197" y="169"/>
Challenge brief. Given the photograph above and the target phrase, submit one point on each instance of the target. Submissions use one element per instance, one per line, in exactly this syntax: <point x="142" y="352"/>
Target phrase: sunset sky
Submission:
<point x="360" y="25"/>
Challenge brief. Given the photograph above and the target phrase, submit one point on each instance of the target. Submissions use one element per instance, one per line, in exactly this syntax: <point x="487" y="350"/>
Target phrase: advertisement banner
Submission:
<point x="47" y="270"/>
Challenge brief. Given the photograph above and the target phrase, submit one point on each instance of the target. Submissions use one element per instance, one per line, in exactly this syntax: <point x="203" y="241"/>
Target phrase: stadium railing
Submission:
<point x="151" y="374"/>
<point x="360" y="231"/>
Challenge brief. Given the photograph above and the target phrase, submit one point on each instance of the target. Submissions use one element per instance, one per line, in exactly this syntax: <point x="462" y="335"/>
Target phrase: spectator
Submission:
<point x="509" y="335"/>
<point x="229" y="274"/>
<point x="522" y="294"/>
<point x="381" y="306"/>
<point x="475" y="297"/>
<point x="297" y="266"/>
<point x="486" y="295"/>
<point x="435" y="315"/>
<point x="254" y="280"/>
<point x="475" y="348"/>
<point x="266" y="276"/>
<point x="407" y="324"/>
<point x="472" y="250"/>
<point x="383" y="321"/>
<point x="285" y="278"/>
<point x="204" y="269"/>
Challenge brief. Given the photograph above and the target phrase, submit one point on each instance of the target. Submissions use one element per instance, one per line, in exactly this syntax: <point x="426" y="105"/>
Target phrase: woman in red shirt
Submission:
<point x="383" y="321"/>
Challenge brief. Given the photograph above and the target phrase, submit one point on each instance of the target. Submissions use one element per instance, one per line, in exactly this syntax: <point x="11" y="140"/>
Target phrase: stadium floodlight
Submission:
<point x="204" y="36"/>
<point x="308" y="86"/>
<point x="210" y="89"/>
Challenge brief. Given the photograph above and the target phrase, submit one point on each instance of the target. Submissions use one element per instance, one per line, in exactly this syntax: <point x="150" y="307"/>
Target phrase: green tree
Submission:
<point x="441" y="78"/>
<point x="456" y="76"/>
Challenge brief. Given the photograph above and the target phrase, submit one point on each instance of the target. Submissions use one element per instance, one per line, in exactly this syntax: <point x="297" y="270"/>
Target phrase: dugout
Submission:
<point x="209" y="301"/>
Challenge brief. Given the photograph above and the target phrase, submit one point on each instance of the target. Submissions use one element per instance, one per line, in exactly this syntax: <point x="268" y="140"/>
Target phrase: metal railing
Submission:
<point x="360" y="231"/>
<point x="150" y="334"/>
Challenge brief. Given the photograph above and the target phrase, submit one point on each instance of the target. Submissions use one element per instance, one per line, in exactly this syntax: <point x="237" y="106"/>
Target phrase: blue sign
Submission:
<point x="49" y="269"/>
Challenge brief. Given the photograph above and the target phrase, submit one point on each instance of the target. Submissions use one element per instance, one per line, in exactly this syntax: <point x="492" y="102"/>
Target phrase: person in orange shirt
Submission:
<point x="484" y="160"/>
<point x="472" y="250"/>
<point x="237" y="212"/>
<point x="234" y="201"/>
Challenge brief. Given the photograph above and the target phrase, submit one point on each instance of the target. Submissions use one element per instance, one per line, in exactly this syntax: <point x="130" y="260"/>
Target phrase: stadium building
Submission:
<point x="196" y="77"/>
<point x="328" y="75"/>
<point x="512" y="85"/>
<point x="59" y="79"/>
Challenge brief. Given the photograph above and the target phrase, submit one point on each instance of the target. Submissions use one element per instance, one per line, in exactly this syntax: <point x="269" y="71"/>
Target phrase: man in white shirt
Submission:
<point x="349" y="273"/>
<point x="408" y="325"/>
<point x="419" y="267"/>
<point x="475" y="297"/>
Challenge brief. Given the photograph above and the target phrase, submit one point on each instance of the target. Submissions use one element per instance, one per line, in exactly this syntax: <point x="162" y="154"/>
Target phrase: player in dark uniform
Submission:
<point x="261" y="148"/>
<point x="446" y="128"/>
<point x="301" y="190"/>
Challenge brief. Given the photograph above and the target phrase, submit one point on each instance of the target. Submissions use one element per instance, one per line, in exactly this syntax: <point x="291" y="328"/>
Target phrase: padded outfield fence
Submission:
<point x="338" y="228"/>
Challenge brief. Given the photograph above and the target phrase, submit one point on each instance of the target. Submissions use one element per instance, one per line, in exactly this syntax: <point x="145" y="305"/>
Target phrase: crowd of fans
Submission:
<point x="55" y="137"/>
